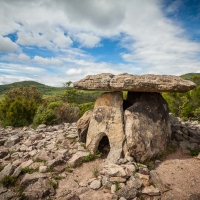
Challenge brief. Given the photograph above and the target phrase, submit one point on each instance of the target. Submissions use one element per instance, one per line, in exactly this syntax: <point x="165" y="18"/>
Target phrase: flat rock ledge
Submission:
<point x="134" y="83"/>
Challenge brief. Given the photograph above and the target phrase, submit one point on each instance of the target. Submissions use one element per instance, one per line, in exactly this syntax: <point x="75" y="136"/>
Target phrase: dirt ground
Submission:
<point x="180" y="171"/>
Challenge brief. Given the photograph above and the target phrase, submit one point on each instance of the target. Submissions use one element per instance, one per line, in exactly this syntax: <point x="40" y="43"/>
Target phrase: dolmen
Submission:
<point x="137" y="126"/>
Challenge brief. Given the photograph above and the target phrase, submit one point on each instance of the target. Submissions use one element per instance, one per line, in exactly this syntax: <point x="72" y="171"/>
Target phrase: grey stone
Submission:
<point x="77" y="158"/>
<point x="95" y="185"/>
<point x="3" y="152"/>
<point x="114" y="170"/>
<point x="157" y="181"/>
<point x="39" y="190"/>
<point x="107" y="121"/>
<point x="118" y="179"/>
<point x="7" y="171"/>
<point x="12" y="141"/>
<point x="29" y="179"/>
<point x="55" y="162"/>
<point x="147" y="127"/>
<point x="134" y="183"/>
<point x="143" y="178"/>
<point x="83" y="124"/>
<point x="136" y="83"/>
<point x="127" y="193"/>
<point x="150" y="190"/>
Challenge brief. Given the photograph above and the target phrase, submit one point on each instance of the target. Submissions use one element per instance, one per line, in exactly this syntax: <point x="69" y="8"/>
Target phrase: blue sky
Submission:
<point x="53" y="42"/>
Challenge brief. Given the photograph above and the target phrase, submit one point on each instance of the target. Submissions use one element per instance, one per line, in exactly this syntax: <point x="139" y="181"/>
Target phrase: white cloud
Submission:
<point x="47" y="61"/>
<point x="15" y="57"/>
<point x="6" y="45"/>
<point x="62" y="41"/>
<point x="72" y="72"/>
<point x="87" y="40"/>
<point x="153" y="43"/>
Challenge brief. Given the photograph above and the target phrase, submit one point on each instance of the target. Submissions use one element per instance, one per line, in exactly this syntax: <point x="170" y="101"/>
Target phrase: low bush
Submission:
<point x="85" y="107"/>
<point x="8" y="181"/>
<point x="55" y="113"/>
<point x="19" y="106"/>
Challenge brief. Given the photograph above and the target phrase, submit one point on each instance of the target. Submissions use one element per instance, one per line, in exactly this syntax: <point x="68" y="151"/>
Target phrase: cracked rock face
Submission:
<point x="107" y="120"/>
<point x="147" y="126"/>
<point x="136" y="83"/>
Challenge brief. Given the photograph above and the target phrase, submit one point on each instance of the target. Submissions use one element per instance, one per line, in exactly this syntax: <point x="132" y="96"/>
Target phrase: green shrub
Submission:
<point x="67" y="113"/>
<point x="53" y="184"/>
<point x="45" y="116"/>
<point x="54" y="105"/>
<point x="194" y="152"/>
<point x="184" y="105"/>
<point x="8" y="181"/>
<point x="85" y="107"/>
<point x="19" y="106"/>
<point x="55" y="113"/>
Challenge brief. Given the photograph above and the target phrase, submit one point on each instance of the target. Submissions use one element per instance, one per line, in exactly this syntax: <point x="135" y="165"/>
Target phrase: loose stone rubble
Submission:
<point x="49" y="151"/>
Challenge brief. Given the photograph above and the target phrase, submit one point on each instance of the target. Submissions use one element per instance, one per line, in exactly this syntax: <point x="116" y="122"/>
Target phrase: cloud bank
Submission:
<point x="66" y="40"/>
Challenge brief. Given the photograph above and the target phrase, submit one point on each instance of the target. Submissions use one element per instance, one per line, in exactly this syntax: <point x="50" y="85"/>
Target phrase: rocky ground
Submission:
<point x="50" y="163"/>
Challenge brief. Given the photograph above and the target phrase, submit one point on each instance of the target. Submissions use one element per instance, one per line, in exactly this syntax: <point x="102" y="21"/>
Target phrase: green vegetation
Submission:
<point x="117" y="185"/>
<point x="91" y="156"/>
<point x="44" y="89"/>
<point x="8" y="181"/>
<point x="19" y="106"/>
<point x="29" y="170"/>
<point x="185" y="105"/>
<point x="149" y="163"/>
<point x="22" y="105"/>
<point x="194" y="152"/>
<point x="53" y="184"/>
<point x="95" y="172"/>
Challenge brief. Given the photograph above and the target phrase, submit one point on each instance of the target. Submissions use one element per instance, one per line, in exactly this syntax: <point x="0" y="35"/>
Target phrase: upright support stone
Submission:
<point x="147" y="126"/>
<point x="107" y="120"/>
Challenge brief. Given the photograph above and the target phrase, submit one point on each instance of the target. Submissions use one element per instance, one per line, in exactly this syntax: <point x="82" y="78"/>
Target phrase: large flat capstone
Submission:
<point x="135" y="83"/>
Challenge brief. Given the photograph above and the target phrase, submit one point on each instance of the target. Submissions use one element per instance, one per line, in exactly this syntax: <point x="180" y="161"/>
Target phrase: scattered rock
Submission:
<point x="31" y="178"/>
<point x="150" y="190"/>
<point x="77" y="158"/>
<point x="39" y="189"/>
<point x="7" y="171"/>
<point x="95" y="185"/>
<point x="127" y="193"/>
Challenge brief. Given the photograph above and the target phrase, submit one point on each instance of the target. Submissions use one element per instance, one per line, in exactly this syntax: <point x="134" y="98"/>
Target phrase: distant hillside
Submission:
<point x="44" y="89"/>
<point x="189" y="76"/>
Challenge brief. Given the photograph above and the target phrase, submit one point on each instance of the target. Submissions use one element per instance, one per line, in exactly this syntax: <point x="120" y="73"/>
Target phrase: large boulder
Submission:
<point x="82" y="125"/>
<point x="107" y="120"/>
<point x="147" y="126"/>
<point x="136" y="83"/>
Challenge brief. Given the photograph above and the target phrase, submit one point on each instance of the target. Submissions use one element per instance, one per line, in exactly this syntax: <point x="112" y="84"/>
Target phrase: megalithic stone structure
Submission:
<point x="139" y="124"/>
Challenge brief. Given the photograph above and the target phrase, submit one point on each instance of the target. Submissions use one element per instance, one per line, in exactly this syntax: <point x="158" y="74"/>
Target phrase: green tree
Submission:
<point x="184" y="105"/>
<point x="19" y="106"/>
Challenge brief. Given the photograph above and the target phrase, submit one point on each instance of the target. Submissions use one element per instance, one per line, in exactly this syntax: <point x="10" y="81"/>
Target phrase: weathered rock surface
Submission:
<point x="83" y="124"/>
<point x="39" y="190"/>
<point x="130" y="82"/>
<point x="32" y="178"/>
<point x="77" y="158"/>
<point x="51" y="152"/>
<point x="127" y="193"/>
<point x="107" y="120"/>
<point x="147" y="126"/>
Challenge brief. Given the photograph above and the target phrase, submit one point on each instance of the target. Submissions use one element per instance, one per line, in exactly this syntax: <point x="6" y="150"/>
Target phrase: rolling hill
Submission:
<point x="44" y="89"/>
